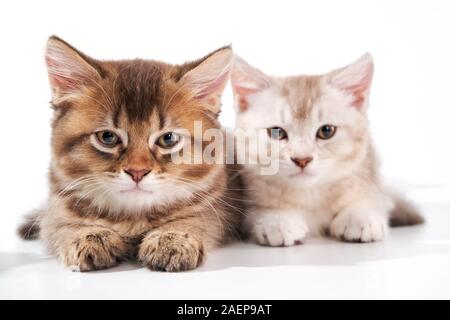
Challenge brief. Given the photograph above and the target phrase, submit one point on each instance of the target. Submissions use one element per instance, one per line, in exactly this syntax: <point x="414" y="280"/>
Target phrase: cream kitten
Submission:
<point x="328" y="179"/>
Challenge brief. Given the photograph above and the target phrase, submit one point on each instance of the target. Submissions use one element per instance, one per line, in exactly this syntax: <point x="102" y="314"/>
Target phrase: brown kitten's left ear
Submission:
<point x="209" y="78"/>
<point x="355" y="79"/>
<point x="69" y="70"/>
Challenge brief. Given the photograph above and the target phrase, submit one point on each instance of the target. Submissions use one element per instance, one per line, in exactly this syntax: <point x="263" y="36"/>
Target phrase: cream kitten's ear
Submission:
<point x="246" y="80"/>
<point x="68" y="69"/>
<point x="355" y="79"/>
<point x="209" y="78"/>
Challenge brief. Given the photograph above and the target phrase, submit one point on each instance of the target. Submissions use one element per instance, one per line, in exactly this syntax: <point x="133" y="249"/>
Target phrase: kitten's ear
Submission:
<point x="208" y="79"/>
<point x="355" y="79"/>
<point x="68" y="69"/>
<point x="246" y="80"/>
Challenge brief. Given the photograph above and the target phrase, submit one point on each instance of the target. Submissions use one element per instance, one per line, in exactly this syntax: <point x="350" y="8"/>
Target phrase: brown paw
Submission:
<point x="95" y="250"/>
<point x="170" y="251"/>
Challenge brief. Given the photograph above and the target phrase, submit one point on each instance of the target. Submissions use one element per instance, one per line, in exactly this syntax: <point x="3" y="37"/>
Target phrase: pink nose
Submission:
<point x="303" y="162"/>
<point x="137" y="175"/>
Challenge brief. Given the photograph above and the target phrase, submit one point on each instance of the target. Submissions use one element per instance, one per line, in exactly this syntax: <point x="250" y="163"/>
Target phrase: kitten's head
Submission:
<point x="317" y="125"/>
<point x="117" y="123"/>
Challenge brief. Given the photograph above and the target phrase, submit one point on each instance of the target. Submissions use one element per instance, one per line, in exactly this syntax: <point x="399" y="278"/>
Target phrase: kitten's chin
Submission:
<point x="135" y="200"/>
<point x="135" y="191"/>
<point x="304" y="178"/>
<point x="138" y="199"/>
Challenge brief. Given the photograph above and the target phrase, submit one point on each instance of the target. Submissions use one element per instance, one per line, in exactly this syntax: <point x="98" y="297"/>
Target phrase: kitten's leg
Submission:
<point x="177" y="245"/>
<point x="171" y="250"/>
<point x="363" y="221"/>
<point x="94" y="248"/>
<point x="85" y="247"/>
<point x="276" y="227"/>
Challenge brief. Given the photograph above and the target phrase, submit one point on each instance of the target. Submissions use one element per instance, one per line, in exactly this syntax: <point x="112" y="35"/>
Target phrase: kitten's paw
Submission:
<point x="359" y="227"/>
<point x="279" y="229"/>
<point x="171" y="251"/>
<point x="95" y="250"/>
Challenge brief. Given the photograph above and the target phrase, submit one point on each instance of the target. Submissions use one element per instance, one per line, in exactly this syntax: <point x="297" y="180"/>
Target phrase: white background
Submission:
<point x="410" y="41"/>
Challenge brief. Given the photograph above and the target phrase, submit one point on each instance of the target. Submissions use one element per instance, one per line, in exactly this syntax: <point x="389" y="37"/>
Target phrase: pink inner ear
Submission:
<point x="241" y="89"/>
<point x="62" y="76"/>
<point x="213" y="87"/>
<point x="62" y="81"/>
<point x="359" y="90"/>
<point x="242" y="94"/>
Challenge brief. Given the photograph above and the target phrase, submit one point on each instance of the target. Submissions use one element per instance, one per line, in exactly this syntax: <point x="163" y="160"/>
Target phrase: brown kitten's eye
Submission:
<point x="277" y="133"/>
<point x="326" y="132"/>
<point x="168" y="140"/>
<point x="108" y="138"/>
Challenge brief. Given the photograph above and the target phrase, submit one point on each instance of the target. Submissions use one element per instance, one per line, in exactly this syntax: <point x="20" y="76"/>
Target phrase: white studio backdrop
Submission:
<point x="410" y="41"/>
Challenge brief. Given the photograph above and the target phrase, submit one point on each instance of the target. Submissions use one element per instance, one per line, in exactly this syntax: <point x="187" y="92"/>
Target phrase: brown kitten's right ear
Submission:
<point x="68" y="69"/>
<point x="208" y="79"/>
<point x="245" y="81"/>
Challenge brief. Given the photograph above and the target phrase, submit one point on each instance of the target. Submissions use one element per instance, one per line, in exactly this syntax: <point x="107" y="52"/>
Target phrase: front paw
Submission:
<point x="278" y="228"/>
<point x="171" y="251"/>
<point x="94" y="250"/>
<point x="355" y="226"/>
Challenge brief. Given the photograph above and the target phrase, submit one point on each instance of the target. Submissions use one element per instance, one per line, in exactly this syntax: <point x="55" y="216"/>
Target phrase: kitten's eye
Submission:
<point x="168" y="140"/>
<point x="277" y="133"/>
<point x="326" y="132"/>
<point x="108" y="138"/>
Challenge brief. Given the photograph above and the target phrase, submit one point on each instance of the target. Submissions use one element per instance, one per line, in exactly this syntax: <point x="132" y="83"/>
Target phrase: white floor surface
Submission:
<point x="414" y="262"/>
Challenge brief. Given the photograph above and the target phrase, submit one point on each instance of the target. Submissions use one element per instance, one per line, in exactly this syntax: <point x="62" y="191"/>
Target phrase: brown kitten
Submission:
<point x="115" y="191"/>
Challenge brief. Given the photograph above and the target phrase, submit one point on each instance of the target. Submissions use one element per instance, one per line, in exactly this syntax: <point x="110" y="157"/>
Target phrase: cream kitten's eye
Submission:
<point x="108" y="138"/>
<point x="277" y="133"/>
<point x="326" y="132"/>
<point x="168" y="140"/>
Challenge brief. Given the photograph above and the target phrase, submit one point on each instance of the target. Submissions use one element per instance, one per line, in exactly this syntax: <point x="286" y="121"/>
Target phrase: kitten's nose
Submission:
<point x="302" y="162"/>
<point x="136" y="174"/>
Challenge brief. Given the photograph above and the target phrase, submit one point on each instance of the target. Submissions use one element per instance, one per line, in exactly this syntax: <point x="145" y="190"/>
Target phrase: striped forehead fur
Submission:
<point x="301" y="93"/>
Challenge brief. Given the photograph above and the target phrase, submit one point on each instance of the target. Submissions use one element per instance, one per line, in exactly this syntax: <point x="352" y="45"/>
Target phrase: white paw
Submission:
<point x="278" y="228"/>
<point x="359" y="227"/>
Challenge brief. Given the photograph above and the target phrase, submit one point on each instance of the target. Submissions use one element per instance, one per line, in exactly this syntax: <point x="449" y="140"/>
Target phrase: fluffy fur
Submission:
<point x="96" y="214"/>
<point x="339" y="191"/>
